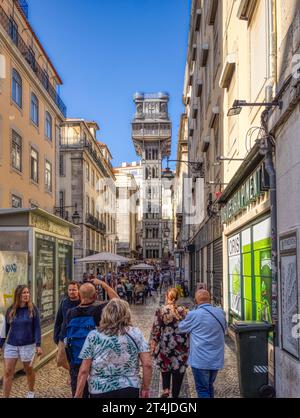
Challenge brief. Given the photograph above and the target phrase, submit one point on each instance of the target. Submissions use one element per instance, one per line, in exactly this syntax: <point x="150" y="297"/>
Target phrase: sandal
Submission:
<point x="165" y="395"/>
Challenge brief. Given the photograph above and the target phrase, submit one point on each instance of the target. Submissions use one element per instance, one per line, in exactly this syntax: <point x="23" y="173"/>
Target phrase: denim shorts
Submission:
<point x="25" y="352"/>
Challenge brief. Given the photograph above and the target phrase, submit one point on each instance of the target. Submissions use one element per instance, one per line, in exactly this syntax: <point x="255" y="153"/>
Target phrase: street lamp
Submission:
<point x="168" y="173"/>
<point x="238" y="105"/>
<point x="75" y="217"/>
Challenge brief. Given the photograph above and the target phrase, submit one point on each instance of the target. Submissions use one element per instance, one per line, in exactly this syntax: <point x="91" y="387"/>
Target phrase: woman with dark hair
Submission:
<point x="168" y="345"/>
<point x="23" y="339"/>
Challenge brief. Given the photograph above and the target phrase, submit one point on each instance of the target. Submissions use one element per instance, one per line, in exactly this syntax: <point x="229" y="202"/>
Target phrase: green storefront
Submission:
<point x="246" y="222"/>
<point x="249" y="272"/>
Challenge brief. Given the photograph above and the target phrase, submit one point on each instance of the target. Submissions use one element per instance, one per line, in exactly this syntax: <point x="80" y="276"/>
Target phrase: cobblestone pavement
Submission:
<point x="52" y="382"/>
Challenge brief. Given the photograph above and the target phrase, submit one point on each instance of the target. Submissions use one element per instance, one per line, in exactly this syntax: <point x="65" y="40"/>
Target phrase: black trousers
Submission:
<point x="177" y="379"/>
<point x="74" y="370"/>
<point x="121" y="393"/>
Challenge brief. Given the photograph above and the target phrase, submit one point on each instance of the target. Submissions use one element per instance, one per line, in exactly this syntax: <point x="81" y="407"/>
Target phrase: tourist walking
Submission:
<point x="70" y="301"/>
<point x="169" y="345"/>
<point x="22" y="339"/>
<point x="79" y="322"/>
<point x="206" y="326"/>
<point x="111" y="357"/>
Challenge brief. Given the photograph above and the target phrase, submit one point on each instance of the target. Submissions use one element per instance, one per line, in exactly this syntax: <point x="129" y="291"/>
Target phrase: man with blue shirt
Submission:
<point x="206" y="326"/>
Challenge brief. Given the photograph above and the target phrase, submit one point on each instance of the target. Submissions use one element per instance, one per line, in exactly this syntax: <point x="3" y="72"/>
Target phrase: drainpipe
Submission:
<point x="272" y="47"/>
<point x="267" y="146"/>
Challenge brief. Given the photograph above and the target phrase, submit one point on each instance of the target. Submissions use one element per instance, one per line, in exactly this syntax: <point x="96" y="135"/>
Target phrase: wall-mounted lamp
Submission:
<point x="238" y="105"/>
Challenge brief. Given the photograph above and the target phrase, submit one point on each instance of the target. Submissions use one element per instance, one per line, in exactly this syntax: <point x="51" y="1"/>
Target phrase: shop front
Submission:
<point x="206" y="266"/>
<point x="36" y="249"/>
<point x="247" y="241"/>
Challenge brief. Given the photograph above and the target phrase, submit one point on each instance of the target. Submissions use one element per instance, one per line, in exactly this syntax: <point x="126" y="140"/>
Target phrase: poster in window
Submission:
<point x="45" y="278"/>
<point x="64" y="267"/>
<point x="289" y="303"/>
<point x="13" y="272"/>
<point x="234" y="264"/>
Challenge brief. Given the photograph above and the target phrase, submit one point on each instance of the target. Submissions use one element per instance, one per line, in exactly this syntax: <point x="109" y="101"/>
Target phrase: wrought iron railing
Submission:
<point x="81" y="143"/>
<point x="95" y="223"/>
<point x="11" y="29"/>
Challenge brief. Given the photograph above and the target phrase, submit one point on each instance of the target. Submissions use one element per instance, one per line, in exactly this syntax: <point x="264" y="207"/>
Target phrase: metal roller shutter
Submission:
<point x="218" y="272"/>
<point x="209" y="268"/>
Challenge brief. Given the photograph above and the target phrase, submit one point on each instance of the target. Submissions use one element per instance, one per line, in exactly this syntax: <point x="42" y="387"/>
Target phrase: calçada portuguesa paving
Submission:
<point x="52" y="382"/>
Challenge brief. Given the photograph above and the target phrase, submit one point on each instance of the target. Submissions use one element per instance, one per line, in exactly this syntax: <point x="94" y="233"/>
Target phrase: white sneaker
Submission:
<point x="30" y="395"/>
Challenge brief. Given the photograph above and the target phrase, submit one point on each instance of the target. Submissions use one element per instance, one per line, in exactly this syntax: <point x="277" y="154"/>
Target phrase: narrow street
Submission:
<point x="51" y="382"/>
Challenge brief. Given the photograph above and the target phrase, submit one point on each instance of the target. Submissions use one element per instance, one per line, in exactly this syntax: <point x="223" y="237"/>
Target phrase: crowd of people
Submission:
<point x="133" y="286"/>
<point x="103" y="351"/>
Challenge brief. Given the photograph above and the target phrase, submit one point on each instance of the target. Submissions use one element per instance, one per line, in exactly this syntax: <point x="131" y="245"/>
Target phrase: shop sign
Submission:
<point x="248" y="193"/>
<point x="47" y="225"/>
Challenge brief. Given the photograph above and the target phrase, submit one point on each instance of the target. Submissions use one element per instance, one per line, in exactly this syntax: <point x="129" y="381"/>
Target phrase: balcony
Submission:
<point x="94" y="223"/>
<point x="7" y="24"/>
<point x="78" y="143"/>
<point x="140" y="131"/>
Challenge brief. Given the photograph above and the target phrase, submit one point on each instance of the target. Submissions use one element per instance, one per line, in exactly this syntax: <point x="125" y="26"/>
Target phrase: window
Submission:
<point x="87" y="167"/>
<point x="62" y="199"/>
<point x="48" y="126"/>
<point x="16" y="201"/>
<point x="34" y="165"/>
<point x="93" y="207"/>
<point x="16" y="151"/>
<point x="87" y="205"/>
<point x="13" y="31"/>
<point x="93" y="178"/>
<point x="61" y="165"/>
<point x="31" y="58"/>
<point x="34" y="109"/>
<point x="46" y="80"/>
<point x="17" y="88"/>
<point x="48" y="176"/>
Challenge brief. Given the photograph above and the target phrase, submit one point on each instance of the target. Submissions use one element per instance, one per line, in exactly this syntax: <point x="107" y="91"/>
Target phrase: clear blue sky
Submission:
<point x="106" y="50"/>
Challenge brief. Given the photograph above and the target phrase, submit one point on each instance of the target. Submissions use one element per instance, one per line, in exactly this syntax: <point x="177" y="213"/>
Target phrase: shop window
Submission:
<point x="45" y="278"/>
<point x="64" y="267"/>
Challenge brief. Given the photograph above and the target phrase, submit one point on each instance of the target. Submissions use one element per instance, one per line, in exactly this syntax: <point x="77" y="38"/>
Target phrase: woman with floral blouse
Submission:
<point x="169" y="346"/>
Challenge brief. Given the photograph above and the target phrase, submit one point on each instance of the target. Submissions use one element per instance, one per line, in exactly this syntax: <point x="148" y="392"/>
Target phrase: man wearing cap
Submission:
<point x="206" y="326"/>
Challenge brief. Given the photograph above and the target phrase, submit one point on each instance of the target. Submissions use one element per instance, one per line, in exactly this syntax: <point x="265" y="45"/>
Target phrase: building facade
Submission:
<point x="151" y="134"/>
<point x="284" y="126"/>
<point x="127" y="214"/>
<point x="87" y="185"/>
<point x="135" y="169"/>
<point x="180" y="203"/>
<point x="31" y="113"/>
<point x="203" y="100"/>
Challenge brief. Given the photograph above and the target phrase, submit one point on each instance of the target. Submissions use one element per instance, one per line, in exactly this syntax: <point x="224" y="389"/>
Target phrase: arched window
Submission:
<point x="48" y="126"/>
<point x="16" y="88"/>
<point x="34" y="109"/>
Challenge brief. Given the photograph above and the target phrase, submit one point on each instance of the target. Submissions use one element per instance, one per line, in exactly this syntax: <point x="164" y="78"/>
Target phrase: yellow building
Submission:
<point x="31" y="113"/>
<point x="87" y="185"/>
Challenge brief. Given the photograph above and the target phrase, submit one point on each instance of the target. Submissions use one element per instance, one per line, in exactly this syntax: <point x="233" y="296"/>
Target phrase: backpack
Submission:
<point x="77" y="331"/>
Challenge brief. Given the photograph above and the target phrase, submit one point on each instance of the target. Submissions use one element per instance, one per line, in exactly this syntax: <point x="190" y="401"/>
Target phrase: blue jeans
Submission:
<point x="204" y="381"/>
